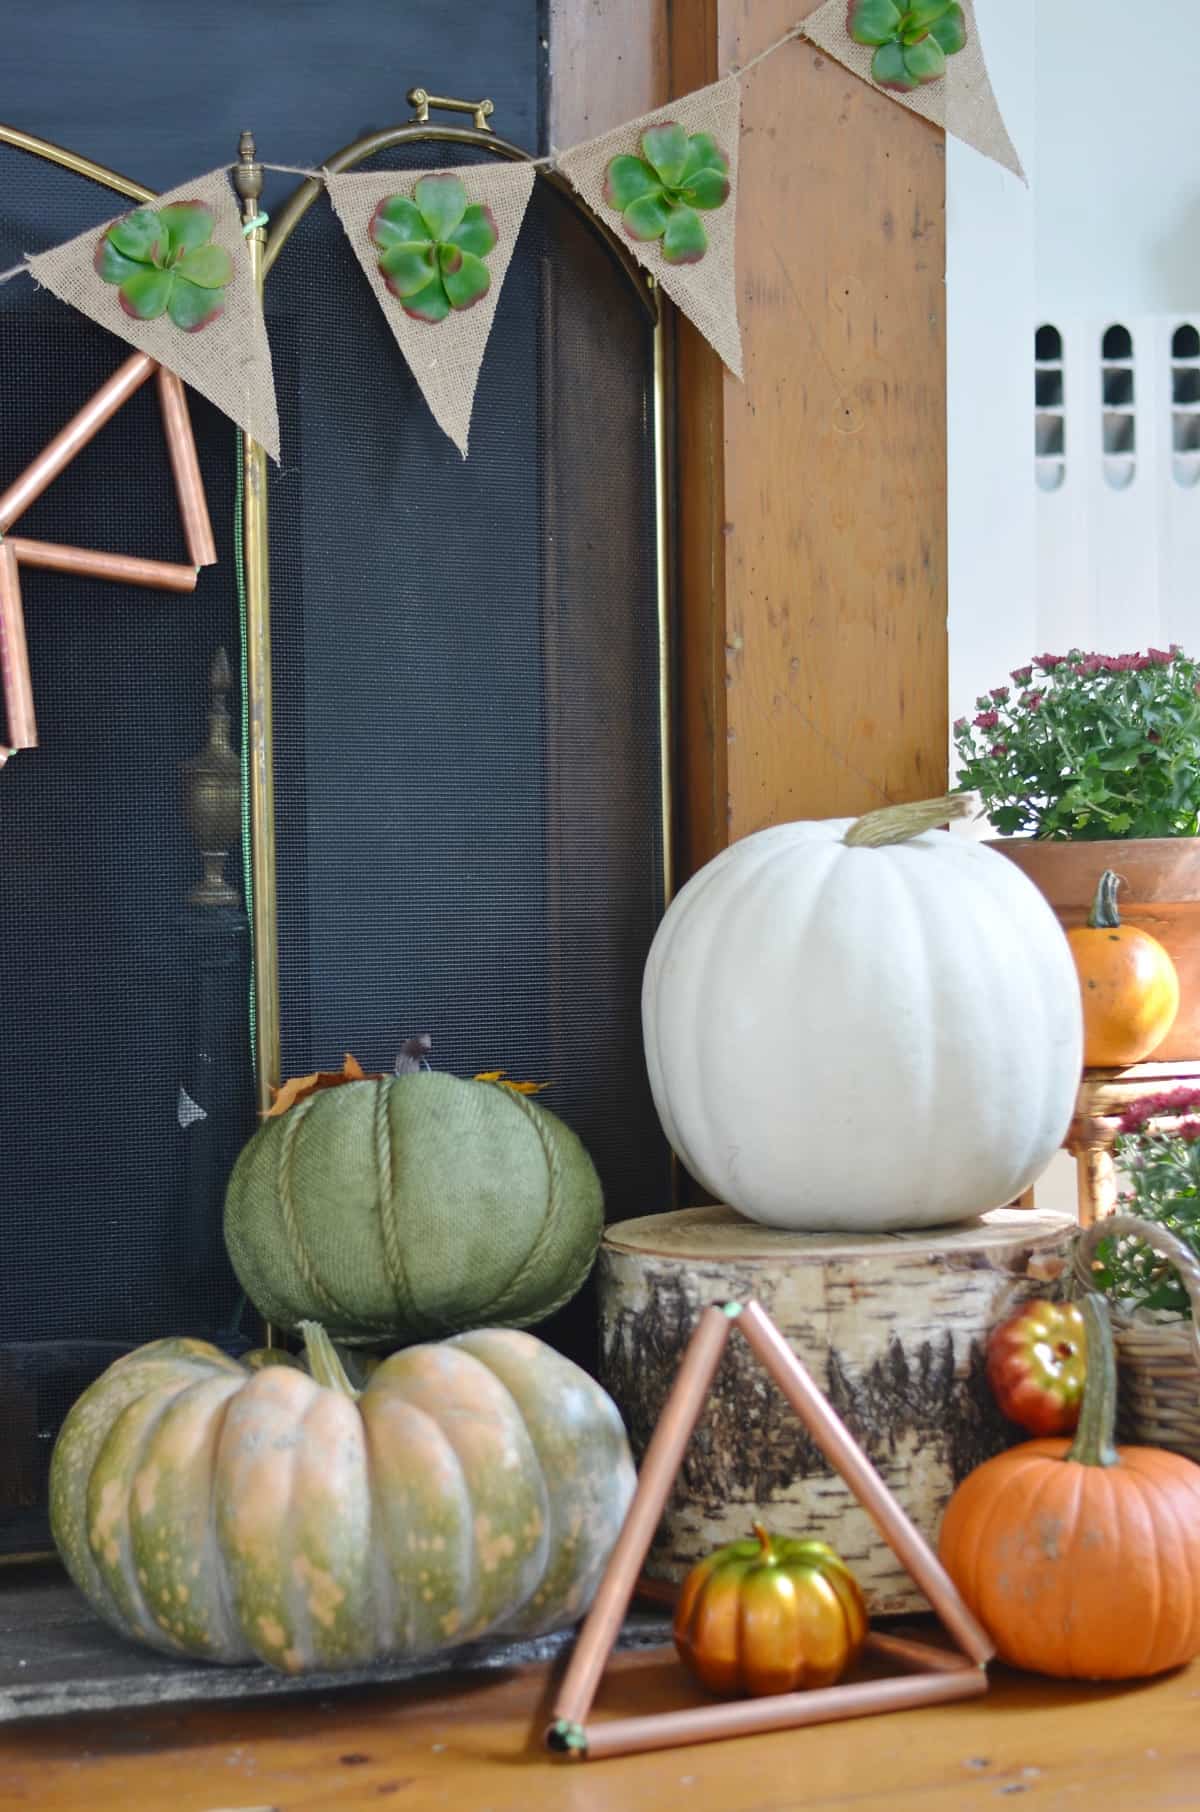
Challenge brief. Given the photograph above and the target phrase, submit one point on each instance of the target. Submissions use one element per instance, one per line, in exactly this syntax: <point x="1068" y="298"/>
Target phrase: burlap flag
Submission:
<point x="697" y="271"/>
<point x="210" y="332"/>
<point x="436" y="249"/>
<point x="961" y="100"/>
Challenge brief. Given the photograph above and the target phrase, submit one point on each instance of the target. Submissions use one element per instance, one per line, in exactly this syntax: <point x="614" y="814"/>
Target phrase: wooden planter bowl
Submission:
<point x="1158" y="1362"/>
<point x="1161" y="895"/>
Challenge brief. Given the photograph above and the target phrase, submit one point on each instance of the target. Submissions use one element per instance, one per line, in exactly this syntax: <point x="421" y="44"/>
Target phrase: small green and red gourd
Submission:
<point x="410" y="1207"/>
<point x="1082" y="1559"/>
<point x="1037" y="1365"/>
<point x="473" y="1488"/>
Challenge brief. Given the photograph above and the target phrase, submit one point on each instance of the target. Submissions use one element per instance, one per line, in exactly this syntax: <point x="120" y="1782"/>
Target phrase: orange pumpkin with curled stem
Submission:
<point x="770" y="1615"/>
<point x="1129" y="984"/>
<point x="1082" y="1559"/>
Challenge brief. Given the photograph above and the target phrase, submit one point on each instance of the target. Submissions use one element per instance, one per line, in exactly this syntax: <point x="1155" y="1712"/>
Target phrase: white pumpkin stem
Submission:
<point x="899" y="823"/>
<point x="323" y="1363"/>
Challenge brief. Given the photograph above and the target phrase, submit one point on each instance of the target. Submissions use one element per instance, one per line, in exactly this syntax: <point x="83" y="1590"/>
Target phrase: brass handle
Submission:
<point x="422" y="100"/>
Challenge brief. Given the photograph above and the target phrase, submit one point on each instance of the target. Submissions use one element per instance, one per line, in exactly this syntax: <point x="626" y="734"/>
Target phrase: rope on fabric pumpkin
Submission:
<point x="293" y="1120"/>
<point x="553" y="1206"/>
<point x="393" y="1243"/>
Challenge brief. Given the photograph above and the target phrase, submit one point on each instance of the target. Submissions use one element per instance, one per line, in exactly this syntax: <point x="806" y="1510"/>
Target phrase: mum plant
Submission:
<point x="1158" y="1148"/>
<point x="1088" y="746"/>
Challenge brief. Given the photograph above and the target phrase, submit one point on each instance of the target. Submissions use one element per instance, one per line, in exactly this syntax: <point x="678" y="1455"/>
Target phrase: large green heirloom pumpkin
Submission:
<point x="412" y="1207"/>
<point x="473" y="1488"/>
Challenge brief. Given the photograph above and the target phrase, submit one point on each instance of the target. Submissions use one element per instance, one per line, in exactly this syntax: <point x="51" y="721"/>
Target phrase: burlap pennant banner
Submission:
<point x="173" y="279"/>
<point x="960" y="99"/>
<point x="678" y="211"/>
<point x="436" y="250"/>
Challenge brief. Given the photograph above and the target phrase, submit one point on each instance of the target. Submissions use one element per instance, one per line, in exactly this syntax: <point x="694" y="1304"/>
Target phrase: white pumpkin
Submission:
<point x="863" y="1034"/>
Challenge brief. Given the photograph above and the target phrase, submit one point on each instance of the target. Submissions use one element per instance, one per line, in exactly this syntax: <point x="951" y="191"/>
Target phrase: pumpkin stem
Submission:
<point x="1104" y="915"/>
<point x="899" y="823"/>
<point x="323" y="1363"/>
<point x="1093" y="1443"/>
<point x="764" y="1541"/>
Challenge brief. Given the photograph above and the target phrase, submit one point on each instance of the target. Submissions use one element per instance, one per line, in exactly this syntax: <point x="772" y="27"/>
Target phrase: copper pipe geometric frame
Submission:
<point x="67" y="444"/>
<point x="128" y="569"/>
<point x="933" y="1675"/>
<point x="15" y="683"/>
<point x="265" y="245"/>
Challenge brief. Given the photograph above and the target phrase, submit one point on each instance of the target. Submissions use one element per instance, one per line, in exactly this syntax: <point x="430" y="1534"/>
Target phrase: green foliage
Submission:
<point x="1158" y="1147"/>
<point x="911" y="41"/>
<point x="658" y="194"/>
<point x="433" y="245"/>
<point x="1086" y="746"/>
<point x="162" y="262"/>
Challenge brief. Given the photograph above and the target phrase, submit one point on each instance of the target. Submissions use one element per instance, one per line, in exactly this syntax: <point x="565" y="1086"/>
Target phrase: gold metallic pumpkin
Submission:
<point x="770" y="1615"/>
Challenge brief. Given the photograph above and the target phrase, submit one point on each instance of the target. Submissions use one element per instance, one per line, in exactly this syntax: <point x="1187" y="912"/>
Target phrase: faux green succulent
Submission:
<point x="657" y="194"/>
<point x="163" y="263"/>
<point x="433" y="245"/>
<point x="912" y="40"/>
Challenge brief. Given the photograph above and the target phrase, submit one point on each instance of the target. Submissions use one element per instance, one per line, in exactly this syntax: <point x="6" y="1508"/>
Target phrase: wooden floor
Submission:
<point x="475" y="1747"/>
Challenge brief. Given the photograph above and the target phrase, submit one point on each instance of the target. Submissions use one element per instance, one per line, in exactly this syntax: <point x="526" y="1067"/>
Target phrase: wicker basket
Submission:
<point x="1158" y="1362"/>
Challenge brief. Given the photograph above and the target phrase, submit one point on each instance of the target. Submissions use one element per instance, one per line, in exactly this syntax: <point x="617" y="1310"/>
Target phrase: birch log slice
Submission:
<point x="893" y="1328"/>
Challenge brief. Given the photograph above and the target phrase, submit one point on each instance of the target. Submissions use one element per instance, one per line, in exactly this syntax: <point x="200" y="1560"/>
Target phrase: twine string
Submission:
<point x="548" y="162"/>
<point x="743" y="69"/>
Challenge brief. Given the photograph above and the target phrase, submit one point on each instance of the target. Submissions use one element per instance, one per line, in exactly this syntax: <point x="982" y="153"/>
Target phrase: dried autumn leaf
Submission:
<point x="298" y="1088"/>
<point x="518" y="1088"/>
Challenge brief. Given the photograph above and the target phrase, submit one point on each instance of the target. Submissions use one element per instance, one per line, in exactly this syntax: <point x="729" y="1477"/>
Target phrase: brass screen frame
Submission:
<point x="266" y="242"/>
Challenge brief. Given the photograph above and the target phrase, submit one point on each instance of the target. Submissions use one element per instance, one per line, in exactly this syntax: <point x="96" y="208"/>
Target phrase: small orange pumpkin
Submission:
<point x="1129" y="984"/>
<point x="1082" y="1560"/>
<point x="770" y="1615"/>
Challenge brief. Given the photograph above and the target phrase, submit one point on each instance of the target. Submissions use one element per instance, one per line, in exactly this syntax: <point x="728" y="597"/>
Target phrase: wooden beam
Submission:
<point x="811" y="500"/>
<point x="814" y="608"/>
<point x="609" y="61"/>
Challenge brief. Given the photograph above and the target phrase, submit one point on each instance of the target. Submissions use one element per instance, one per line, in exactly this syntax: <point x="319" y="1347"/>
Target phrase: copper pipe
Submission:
<point x="847" y="1458"/>
<point x="20" y="722"/>
<point x="785" y="1711"/>
<point x="128" y="569"/>
<point x="73" y="438"/>
<point x="679" y="1416"/>
<point x="918" y="1657"/>
<point x="189" y="486"/>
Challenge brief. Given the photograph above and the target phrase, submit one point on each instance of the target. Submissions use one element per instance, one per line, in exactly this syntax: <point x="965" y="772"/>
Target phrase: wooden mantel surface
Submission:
<point x="473" y="1747"/>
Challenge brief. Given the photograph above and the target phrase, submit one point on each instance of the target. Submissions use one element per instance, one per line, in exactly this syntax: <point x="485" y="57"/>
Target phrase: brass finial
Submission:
<point x="248" y="175"/>
<point x="212" y="793"/>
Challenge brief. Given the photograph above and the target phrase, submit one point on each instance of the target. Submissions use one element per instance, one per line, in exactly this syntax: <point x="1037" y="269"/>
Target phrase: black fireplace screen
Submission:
<point x="468" y="773"/>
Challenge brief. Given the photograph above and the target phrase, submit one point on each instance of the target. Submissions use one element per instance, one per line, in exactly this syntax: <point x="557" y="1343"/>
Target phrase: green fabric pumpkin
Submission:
<point x="412" y="1207"/>
<point x="474" y="1487"/>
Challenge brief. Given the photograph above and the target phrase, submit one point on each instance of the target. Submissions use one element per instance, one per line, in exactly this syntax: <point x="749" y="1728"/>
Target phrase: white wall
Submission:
<point x="990" y="320"/>
<point x="1100" y="100"/>
<point x="1109" y="230"/>
<point x="1117" y="187"/>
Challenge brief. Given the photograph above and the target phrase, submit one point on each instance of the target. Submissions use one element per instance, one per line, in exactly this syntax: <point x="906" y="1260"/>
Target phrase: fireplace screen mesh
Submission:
<point x="468" y="774"/>
<point x="467" y="674"/>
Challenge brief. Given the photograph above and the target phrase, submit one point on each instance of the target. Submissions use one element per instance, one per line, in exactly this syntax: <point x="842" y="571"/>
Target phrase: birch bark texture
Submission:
<point x="893" y="1327"/>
